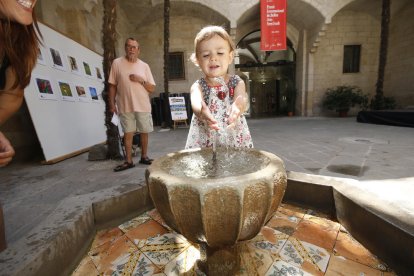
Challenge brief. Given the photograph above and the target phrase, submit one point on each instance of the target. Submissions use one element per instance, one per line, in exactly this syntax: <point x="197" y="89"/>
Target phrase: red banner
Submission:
<point x="273" y="25"/>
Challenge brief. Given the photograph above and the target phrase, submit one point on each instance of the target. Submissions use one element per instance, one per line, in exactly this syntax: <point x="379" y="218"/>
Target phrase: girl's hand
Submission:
<point x="208" y="117"/>
<point x="235" y="111"/>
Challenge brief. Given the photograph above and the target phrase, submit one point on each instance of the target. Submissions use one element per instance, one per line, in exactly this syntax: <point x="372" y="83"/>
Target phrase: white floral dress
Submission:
<point x="219" y="101"/>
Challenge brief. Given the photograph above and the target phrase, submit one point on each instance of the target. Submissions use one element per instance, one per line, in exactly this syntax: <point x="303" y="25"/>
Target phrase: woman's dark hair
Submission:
<point x="20" y="45"/>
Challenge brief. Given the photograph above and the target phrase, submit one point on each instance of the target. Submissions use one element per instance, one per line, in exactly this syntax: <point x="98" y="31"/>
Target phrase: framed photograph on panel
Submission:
<point x="73" y="65"/>
<point x="82" y="96"/>
<point x="98" y="73"/>
<point x="94" y="94"/>
<point x="87" y="68"/>
<point x="66" y="91"/>
<point x="41" y="57"/>
<point x="57" y="59"/>
<point x="44" y="88"/>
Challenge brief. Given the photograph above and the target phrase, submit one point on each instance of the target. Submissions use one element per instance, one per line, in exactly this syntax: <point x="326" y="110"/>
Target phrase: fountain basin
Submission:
<point x="223" y="206"/>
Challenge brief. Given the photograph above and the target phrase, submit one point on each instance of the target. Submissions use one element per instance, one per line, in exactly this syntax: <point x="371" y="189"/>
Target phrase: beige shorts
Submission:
<point x="136" y="121"/>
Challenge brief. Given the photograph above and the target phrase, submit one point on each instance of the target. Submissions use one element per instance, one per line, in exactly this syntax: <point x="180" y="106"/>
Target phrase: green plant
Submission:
<point x="342" y="98"/>
<point x="385" y="103"/>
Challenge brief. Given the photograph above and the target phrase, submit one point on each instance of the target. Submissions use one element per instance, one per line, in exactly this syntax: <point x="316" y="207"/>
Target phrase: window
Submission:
<point x="176" y="66"/>
<point x="352" y="57"/>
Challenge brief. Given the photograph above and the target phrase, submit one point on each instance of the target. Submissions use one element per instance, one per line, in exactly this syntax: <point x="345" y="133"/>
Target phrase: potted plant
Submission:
<point x="342" y="98"/>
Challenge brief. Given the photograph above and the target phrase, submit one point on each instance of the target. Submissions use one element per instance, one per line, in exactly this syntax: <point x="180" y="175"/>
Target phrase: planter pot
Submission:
<point x="343" y="113"/>
<point x="290" y="113"/>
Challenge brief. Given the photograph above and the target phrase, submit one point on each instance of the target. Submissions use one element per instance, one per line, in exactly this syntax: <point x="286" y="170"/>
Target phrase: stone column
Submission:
<point x="232" y="33"/>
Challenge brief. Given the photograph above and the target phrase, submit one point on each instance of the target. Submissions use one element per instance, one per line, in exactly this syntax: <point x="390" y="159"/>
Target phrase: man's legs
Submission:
<point x="129" y="127"/>
<point x="128" y="146"/>
<point x="144" y="145"/>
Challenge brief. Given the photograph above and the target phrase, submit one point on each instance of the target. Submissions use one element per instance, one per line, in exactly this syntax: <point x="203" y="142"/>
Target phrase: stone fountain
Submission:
<point x="217" y="204"/>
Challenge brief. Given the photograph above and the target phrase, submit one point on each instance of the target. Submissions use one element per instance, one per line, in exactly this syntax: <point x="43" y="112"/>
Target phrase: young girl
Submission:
<point x="218" y="99"/>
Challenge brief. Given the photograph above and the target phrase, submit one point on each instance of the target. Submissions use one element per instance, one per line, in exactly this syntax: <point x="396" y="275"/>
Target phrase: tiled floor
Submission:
<point x="295" y="241"/>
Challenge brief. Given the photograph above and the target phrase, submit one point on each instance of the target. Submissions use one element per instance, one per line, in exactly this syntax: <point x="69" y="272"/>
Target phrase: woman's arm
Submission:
<point x="6" y="151"/>
<point x="10" y="99"/>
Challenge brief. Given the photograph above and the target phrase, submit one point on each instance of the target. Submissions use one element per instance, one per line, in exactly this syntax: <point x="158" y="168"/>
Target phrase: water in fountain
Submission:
<point x="229" y="162"/>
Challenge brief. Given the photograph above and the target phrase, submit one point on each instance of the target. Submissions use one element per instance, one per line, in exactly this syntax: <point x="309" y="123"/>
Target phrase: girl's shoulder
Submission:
<point x="234" y="80"/>
<point x="203" y="83"/>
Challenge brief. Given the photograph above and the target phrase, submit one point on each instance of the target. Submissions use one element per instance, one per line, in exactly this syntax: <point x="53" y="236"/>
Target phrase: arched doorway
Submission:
<point x="270" y="77"/>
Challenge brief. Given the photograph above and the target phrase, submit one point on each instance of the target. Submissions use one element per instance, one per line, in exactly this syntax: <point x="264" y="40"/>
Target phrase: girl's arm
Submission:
<point x="240" y="103"/>
<point x="200" y="108"/>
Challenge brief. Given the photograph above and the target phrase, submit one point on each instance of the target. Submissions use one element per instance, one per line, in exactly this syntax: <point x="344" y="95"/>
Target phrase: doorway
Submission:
<point x="270" y="76"/>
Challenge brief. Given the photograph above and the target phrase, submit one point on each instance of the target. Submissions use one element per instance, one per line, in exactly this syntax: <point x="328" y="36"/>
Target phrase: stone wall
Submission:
<point x="81" y="21"/>
<point x="347" y="28"/>
<point x="400" y="62"/>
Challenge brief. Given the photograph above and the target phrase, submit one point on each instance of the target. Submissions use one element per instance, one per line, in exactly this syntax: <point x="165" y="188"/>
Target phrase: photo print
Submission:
<point x="87" y="68"/>
<point x="57" y="59"/>
<point x="82" y="93"/>
<point x="41" y="57"/>
<point x="94" y="94"/>
<point x="98" y="73"/>
<point x="44" y="87"/>
<point x="73" y="65"/>
<point x="66" y="91"/>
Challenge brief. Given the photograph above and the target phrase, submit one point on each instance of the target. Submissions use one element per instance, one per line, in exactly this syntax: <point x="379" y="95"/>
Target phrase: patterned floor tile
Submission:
<point x="155" y="215"/>
<point x="135" y="222"/>
<point x="282" y="268"/>
<point x="307" y="256"/>
<point x="317" y="234"/>
<point x="295" y="241"/>
<point x="269" y="240"/>
<point x="292" y="210"/>
<point x="351" y="249"/>
<point x="315" y="213"/>
<point x="139" y="265"/>
<point x="323" y="221"/>
<point x="254" y="261"/>
<point x="184" y="263"/>
<point x="142" y="232"/>
<point x="339" y="265"/>
<point x="283" y="223"/>
<point x="105" y="236"/>
<point x="163" y="249"/>
<point x="111" y="255"/>
<point x="86" y="267"/>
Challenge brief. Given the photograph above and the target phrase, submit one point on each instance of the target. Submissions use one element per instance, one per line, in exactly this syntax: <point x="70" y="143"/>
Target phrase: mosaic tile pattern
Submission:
<point x="295" y="241"/>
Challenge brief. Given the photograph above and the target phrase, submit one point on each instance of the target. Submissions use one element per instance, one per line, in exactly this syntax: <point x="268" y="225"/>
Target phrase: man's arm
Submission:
<point x="148" y="86"/>
<point x="111" y="96"/>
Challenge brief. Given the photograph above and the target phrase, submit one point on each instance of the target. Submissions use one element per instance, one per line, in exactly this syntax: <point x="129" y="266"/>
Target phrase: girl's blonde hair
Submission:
<point x="20" y="45"/>
<point x="205" y="34"/>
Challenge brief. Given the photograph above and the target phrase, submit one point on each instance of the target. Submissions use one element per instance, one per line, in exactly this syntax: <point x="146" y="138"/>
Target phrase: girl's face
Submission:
<point x="20" y="11"/>
<point x="214" y="57"/>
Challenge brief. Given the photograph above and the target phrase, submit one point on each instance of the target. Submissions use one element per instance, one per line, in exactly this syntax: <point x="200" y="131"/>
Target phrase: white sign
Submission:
<point x="177" y="107"/>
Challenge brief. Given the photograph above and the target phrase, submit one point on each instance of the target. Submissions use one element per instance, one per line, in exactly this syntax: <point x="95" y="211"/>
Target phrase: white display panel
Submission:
<point x="64" y="96"/>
